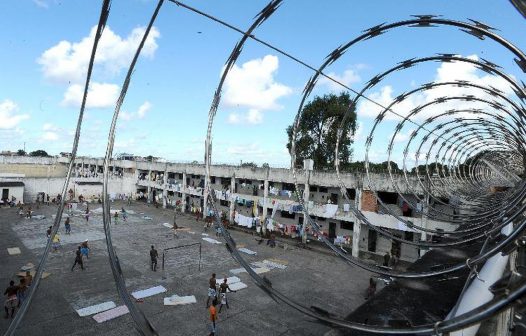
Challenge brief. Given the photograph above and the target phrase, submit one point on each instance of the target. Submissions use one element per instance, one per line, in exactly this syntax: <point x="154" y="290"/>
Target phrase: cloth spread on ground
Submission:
<point x="331" y="209"/>
<point x="346" y="207"/>
<point x="111" y="314"/>
<point x="247" y="251"/>
<point x="96" y="308"/>
<point x="258" y="270"/>
<point x="168" y="225"/>
<point x="238" y="286"/>
<point x="210" y="240"/>
<point x="176" y="300"/>
<point x="229" y="280"/>
<point x="272" y="264"/>
<point x="147" y="217"/>
<point x="148" y="292"/>
<point x="13" y="250"/>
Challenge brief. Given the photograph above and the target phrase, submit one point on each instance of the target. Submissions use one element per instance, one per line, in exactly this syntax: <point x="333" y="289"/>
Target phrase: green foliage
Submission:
<point x="249" y="164"/>
<point x="21" y="152"/>
<point x="39" y="152"/>
<point x="318" y="130"/>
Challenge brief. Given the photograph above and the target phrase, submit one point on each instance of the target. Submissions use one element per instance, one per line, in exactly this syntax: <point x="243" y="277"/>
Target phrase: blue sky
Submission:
<point x="46" y="47"/>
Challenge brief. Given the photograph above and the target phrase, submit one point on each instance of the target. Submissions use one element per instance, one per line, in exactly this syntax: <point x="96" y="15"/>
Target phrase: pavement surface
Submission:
<point x="311" y="278"/>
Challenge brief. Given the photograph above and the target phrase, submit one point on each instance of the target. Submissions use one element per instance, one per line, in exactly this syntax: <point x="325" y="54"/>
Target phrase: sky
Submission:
<point x="47" y="44"/>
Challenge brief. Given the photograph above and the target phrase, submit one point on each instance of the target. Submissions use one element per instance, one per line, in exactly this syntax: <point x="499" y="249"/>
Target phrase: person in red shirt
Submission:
<point x="213" y="317"/>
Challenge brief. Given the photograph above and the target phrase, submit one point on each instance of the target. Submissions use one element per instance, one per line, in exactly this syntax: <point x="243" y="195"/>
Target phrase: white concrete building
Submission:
<point x="245" y="193"/>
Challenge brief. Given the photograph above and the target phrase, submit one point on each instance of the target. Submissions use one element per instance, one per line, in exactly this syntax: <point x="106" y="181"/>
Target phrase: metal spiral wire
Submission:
<point x="465" y="152"/>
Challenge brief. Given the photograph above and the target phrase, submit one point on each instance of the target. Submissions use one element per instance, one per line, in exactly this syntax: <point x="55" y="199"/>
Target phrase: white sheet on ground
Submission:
<point x="176" y="300"/>
<point x="96" y="308"/>
<point x="238" y="286"/>
<point x="148" y="292"/>
<point x="247" y="251"/>
<point x="229" y="280"/>
<point x="210" y="240"/>
<point x="111" y="314"/>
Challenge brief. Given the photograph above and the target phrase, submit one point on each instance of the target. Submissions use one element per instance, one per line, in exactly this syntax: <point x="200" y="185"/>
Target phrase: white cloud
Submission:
<point x="67" y="62"/>
<point x="253" y="85"/>
<point x="49" y="127"/>
<point x="143" y="109"/>
<point x="140" y="114"/>
<point x="49" y="136"/>
<point x="100" y="95"/>
<point x="348" y="78"/>
<point x="234" y="118"/>
<point x="448" y="71"/>
<point x="252" y="117"/>
<point x="41" y="3"/>
<point x="358" y="133"/>
<point x="8" y="117"/>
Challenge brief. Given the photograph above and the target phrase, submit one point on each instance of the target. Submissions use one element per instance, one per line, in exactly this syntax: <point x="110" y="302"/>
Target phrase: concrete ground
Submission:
<point x="311" y="278"/>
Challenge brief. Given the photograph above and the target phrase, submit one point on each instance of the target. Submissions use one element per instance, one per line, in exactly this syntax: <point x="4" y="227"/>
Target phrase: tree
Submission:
<point x="149" y="158"/>
<point x="318" y="130"/>
<point x="21" y="152"/>
<point x="249" y="164"/>
<point x="39" y="152"/>
<point x="265" y="165"/>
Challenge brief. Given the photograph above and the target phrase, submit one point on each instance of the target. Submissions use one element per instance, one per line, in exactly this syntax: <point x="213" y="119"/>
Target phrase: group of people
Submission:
<point x="16" y="294"/>
<point x="24" y="212"/>
<point x="82" y="250"/>
<point x="215" y="292"/>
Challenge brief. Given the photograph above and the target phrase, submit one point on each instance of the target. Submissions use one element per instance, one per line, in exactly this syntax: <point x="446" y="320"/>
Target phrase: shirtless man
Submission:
<point x="223" y="288"/>
<point x="212" y="291"/>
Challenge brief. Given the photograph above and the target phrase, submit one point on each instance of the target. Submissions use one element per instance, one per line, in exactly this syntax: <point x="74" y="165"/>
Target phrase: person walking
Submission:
<point x="212" y="289"/>
<point x="56" y="242"/>
<point x="12" y="301"/>
<point x="78" y="260"/>
<point x="29" y="278"/>
<point x="84" y="249"/>
<point x="67" y="224"/>
<point x="116" y="217"/>
<point x="223" y="288"/>
<point x="153" y="257"/>
<point x="124" y="214"/>
<point x="21" y="293"/>
<point x="213" y="317"/>
<point x="371" y="289"/>
<point x="87" y="215"/>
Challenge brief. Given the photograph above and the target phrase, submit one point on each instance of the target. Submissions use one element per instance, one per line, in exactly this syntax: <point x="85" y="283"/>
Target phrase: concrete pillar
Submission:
<point x="150" y="196"/>
<point x="357" y="225"/>
<point x="165" y="188"/>
<point x="183" y="193"/>
<point x="232" y="200"/>
<point x="308" y="166"/>
<point x="265" y="205"/>
<point x="423" y="222"/>
<point x="205" y="199"/>
<point x="306" y="197"/>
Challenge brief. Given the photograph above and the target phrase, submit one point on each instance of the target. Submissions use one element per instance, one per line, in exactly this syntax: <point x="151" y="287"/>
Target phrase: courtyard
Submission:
<point x="310" y="277"/>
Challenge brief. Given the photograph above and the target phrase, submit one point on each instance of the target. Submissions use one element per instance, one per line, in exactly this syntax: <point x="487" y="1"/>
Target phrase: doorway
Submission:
<point x="332" y="230"/>
<point x="371" y="241"/>
<point x="5" y="194"/>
